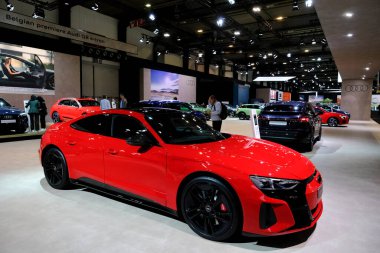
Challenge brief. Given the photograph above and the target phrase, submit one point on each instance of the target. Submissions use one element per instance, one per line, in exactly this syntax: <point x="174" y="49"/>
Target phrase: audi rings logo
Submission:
<point x="356" y="88"/>
<point x="7" y="117"/>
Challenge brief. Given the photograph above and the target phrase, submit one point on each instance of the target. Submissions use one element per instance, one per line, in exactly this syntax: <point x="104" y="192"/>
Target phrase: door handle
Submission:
<point x="112" y="151"/>
<point x="71" y="143"/>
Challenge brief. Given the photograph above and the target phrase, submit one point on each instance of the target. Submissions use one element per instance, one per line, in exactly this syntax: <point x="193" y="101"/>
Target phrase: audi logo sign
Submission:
<point x="356" y="88"/>
<point x="7" y="117"/>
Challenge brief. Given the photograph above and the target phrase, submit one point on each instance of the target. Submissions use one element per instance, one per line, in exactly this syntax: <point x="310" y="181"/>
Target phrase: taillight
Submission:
<point x="304" y="119"/>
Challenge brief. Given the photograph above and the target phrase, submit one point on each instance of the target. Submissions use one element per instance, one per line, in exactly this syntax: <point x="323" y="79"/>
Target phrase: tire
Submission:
<point x="209" y="208"/>
<point x="55" y="169"/>
<point x="50" y="82"/>
<point x="320" y="135"/>
<point x="55" y="117"/>
<point x="21" y="130"/>
<point x="309" y="144"/>
<point x="242" y="115"/>
<point x="332" y="122"/>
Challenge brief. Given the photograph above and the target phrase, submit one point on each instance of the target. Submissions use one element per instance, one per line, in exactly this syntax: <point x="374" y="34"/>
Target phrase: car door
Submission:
<point x="40" y="70"/>
<point x="73" y="111"/>
<point x="316" y="120"/>
<point x="63" y="108"/>
<point x="84" y="147"/>
<point x="137" y="170"/>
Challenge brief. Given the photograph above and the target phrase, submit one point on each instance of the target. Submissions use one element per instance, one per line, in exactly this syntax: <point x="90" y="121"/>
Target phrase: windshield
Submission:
<point x="85" y="103"/>
<point x="182" y="128"/>
<point x="283" y="108"/>
<point x="4" y="103"/>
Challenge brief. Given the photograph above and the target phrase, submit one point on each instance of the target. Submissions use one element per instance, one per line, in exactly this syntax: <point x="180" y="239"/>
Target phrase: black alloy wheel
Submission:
<point x="210" y="209"/>
<point x="242" y="115"/>
<point x="55" y="117"/>
<point x="332" y="122"/>
<point x="55" y="169"/>
<point x="310" y="143"/>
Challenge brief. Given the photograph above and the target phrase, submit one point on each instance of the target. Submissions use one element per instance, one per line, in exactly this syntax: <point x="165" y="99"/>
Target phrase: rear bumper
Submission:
<point x="285" y="134"/>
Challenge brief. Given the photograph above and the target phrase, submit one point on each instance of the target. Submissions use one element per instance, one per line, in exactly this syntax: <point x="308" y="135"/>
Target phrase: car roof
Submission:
<point x="292" y="103"/>
<point x="77" y="98"/>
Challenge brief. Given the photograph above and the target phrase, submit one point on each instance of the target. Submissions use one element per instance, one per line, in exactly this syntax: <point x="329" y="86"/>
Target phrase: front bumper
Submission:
<point x="286" y="211"/>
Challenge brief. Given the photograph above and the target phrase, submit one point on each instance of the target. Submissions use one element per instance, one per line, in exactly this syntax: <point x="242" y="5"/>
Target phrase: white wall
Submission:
<point x="94" y="22"/>
<point x="173" y="59"/>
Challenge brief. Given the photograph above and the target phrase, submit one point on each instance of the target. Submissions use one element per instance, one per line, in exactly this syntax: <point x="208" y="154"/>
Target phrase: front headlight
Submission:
<point x="267" y="183"/>
<point x="343" y="117"/>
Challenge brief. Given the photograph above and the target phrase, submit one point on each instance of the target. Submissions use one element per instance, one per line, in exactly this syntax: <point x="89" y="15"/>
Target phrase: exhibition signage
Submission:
<point x="255" y="124"/>
<point x="39" y="25"/>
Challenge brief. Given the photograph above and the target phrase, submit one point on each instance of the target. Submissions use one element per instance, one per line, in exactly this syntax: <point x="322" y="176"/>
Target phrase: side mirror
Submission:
<point x="142" y="139"/>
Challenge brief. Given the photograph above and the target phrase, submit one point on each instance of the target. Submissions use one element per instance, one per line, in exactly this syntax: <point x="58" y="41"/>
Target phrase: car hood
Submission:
<point x="251" y="156"/>
<point x="10" y="110"/>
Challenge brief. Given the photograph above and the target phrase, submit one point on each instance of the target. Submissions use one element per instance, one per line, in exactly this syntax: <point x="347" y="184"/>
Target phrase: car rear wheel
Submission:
<point x="332" y="122"/>
<point x="55" y="169"/>
<point x="55" y="117"/>
<point x="309" y="144"/>
<point x="210" y="209"/>
<point x="242" y="115"/>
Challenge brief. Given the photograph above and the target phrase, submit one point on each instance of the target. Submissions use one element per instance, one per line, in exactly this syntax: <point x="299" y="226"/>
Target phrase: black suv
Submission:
<point x="12" y="118"/>
<point x="291" y="121"/>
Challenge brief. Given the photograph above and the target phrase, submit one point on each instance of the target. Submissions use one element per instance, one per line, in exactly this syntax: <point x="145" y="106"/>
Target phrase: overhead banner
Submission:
<point x="39" y="25"/>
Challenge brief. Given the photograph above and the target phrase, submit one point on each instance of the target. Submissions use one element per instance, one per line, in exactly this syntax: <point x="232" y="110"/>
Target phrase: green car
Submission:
<point x="244" y="111"/>
<point x="200" y="108"/>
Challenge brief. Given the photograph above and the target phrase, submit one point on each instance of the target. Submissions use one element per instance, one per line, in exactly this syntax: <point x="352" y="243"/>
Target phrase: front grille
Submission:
<point x="8" y="116"/>
<point x="296" y="199"/>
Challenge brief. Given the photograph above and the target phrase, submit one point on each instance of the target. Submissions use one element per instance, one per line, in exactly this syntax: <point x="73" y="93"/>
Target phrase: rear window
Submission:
<point x="283" y="108"/>
<point x="85" y="103"/>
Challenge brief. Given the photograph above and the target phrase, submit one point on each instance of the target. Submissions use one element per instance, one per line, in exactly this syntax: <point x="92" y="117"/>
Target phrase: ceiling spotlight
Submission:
<point x="10" y="6"/>
<point x="147" y="41"/>
<point x="270" y="54"/>
<point x="324" y="41"/>
<point x="307" y="51"/>
<point x="95" y="6"/>
<point x="156" y="31"/>
<point x="289" y="55"/>
<point x="67" y="3"/>
<point x="200" y="55"/>
<point x="231" y="2"/>
<point x="214" y="51"/>
<point x="280" y="18"/>
<point x="166" y="35"/>
<point x="313" y="41"/>
<point x="236" y="33"/>
<point x="230" y="45"/>
<point x="250" y="56"/>
<point x="178" y="38"/>
<point x="141" y="40"/>
<point x="152" y="16"/>
<point x="220" y="22"/>
<point x="309" y="3"/>
<point x="367" y="68"/>
<point x="319" y="59"/>
<point x="265" y="56"/>
<point x="295" y="5"/>
<point x="349" y="35"/>
<point x="38" y="13"/>
<point x="148" y="5"/>
<point x="348" y="14"/>
<point x="200" y="31"/>
<point x="158" y="53"/>
<point x="256" y="9"/>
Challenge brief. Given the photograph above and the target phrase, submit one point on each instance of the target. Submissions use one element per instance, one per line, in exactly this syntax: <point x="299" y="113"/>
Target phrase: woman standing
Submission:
<point x="43" y="112"/>
<point x="34" y="113"/>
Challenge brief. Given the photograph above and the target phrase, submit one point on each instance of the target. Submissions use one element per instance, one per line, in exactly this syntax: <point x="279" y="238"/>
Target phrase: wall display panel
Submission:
<point x="26" y="70"/>
<point x="316" y="98"/>
<point x="162" y="85"/>
<point x="286" y="96"/>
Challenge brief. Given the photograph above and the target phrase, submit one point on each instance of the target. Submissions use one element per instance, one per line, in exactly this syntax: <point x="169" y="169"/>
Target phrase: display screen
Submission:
<point x="26" y="70"/>
<point x="314" y="98"/>
<point x="162" y="85"/>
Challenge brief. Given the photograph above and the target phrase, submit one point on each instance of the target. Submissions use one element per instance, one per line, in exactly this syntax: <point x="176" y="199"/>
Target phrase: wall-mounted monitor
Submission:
<point x="162" y="85"/>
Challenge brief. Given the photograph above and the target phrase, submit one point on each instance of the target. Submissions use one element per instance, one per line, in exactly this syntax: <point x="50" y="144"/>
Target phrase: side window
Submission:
<point x="124" y="127"/>
<point x="64" y="102"/>
<point x="95" y="124"/>
<point x="74" y="103"/>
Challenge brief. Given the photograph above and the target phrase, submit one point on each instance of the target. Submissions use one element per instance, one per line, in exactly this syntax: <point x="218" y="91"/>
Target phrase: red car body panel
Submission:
<point x="70" y="112"/>
<point x="157" y="175"/>
<point x="342" y="119"/>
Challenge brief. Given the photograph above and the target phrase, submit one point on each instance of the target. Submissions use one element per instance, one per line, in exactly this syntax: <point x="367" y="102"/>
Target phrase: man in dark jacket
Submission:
<point x="34" y="113"/>
<point x="43" y="112"/>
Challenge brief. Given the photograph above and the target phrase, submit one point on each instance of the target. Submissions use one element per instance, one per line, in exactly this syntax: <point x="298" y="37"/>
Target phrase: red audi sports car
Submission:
<point x="219" y="184"/>
<point x="71" y="108"/>
<point x="332" y="119"/>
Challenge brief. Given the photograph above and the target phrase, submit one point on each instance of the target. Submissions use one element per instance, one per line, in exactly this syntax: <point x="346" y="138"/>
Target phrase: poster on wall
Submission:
<point x="286" y="96"/>
<point x="26" y="70"/>
<point x="316" y="98"/>
<point x="162" y="85"/>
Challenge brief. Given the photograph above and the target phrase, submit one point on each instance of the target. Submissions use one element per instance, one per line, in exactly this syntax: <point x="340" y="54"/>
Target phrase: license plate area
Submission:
<point x="8" y="121"/>
<point x="278" y="123"/>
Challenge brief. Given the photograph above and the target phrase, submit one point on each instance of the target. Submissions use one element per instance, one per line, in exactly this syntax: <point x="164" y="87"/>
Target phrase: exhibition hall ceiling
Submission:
<point x="268" y="37"/>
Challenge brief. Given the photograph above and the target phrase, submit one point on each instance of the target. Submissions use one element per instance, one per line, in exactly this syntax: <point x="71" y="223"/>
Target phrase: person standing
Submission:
<point x="215" y="109"/>
<point x="105" y="103"/>
<point x="34" y="113"/>
<point x="123" y="101"/>
<point x="43" y="112"/>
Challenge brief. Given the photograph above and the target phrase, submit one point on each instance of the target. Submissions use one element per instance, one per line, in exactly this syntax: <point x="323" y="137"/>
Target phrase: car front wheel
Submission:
<point x="210" y="209"/>
<point x="55" y="117"/>
<point x="242" y="115"/>
<point x="332" y="122"/>
<point x="55" y="169"/>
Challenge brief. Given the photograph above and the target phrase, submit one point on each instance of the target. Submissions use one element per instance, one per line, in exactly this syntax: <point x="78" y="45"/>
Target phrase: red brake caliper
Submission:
<point x="223" y="208"/>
